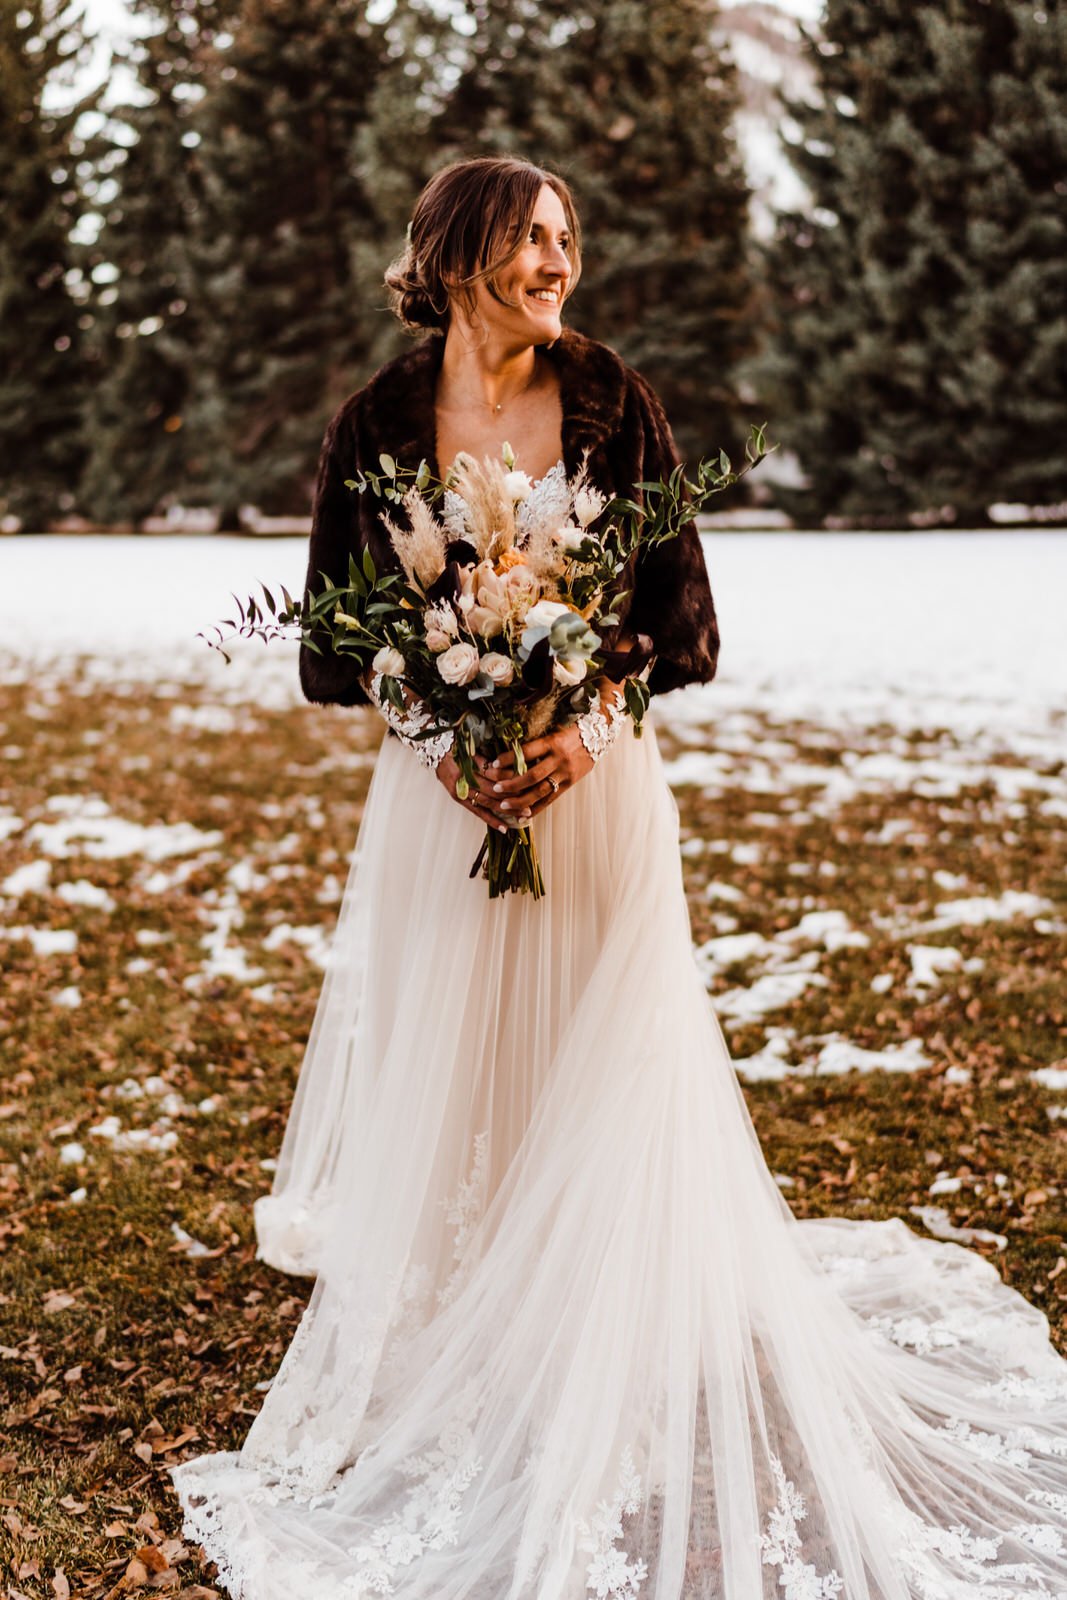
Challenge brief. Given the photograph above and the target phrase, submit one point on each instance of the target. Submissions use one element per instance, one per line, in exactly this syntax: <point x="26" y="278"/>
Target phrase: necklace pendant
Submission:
<point x="499" y="406"/>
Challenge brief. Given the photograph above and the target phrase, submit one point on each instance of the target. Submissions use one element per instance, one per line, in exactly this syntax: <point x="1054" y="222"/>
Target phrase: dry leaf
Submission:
<point x="152" y="1558"/>
<point x="58" y="1300"/>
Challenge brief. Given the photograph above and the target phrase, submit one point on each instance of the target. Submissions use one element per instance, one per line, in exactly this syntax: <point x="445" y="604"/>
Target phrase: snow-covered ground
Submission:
<point x="919" y="630"/>
<point x="925" y="663"/>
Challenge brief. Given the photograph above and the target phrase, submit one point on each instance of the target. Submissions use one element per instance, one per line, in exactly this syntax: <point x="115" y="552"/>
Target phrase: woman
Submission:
<point x="566" y="1339"/>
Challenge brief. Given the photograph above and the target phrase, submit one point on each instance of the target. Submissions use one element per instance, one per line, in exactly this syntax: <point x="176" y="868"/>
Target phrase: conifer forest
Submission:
<point x="192" y="255"/>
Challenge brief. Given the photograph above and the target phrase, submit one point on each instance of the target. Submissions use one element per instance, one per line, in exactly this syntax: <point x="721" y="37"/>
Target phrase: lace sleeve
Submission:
<point x="601" y="725"/>
<point x="410" y="722"/>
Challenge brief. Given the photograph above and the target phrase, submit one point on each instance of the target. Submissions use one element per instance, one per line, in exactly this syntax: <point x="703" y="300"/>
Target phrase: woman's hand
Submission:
<point x="481" y="800"/>
<point x="554" y="763"/>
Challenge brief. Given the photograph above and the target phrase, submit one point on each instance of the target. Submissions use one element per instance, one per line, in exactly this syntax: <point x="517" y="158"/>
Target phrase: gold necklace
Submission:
<point x="499" y="406"/>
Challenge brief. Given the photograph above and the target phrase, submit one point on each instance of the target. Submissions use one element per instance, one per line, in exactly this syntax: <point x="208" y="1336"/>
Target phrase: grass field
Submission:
<point x="170" y="867"/>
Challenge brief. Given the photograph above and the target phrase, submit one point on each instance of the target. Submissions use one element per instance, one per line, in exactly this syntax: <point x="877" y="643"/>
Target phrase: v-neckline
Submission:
<point x="591" y="395"/>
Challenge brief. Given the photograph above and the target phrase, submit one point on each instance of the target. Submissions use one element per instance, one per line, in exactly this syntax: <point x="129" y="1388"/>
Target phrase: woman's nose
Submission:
<point x="556" y="262"/>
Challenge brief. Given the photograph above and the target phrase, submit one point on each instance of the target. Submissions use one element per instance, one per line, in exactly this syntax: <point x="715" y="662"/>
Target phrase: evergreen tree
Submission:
<point x="44" y="374"/>
<point x="397" y="150"/>
<point x="918" y="364"/>
<point x="635" y="111"/>
<point x="148" y="324"/>
<point x="284" y="211"/>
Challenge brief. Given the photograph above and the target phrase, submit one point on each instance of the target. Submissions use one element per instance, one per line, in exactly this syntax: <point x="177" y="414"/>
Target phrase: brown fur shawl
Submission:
<point x="608" y="408"/>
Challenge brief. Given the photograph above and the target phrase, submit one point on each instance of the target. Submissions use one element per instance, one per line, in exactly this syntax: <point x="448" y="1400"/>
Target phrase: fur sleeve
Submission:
<point x="329" y="678"/>
<point x="672" y="600"/>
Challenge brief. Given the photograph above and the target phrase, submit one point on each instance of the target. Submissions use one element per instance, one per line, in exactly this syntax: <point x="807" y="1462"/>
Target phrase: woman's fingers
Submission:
<point x="533" y="750"/>
<point x="490" y="818"/>
<point x="516" y="783"/>
<point x="542" y="795"/>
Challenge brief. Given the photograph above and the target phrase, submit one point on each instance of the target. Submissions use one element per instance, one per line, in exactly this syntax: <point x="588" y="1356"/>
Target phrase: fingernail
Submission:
<point x="497" y="788"/>
<point x="505" y="805"/>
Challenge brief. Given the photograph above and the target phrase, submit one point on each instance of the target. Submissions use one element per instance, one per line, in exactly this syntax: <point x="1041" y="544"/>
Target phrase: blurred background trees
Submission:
<point x="916" y="354"/>
<point x="191" y="271"/>
<point x="44" y="364"/>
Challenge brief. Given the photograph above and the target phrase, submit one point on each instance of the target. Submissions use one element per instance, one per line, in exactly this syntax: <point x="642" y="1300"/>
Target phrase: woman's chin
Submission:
<point x="544" y="329"/>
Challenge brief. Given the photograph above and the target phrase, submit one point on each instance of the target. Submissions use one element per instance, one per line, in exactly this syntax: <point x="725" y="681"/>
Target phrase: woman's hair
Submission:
<point x="469" y="222"/>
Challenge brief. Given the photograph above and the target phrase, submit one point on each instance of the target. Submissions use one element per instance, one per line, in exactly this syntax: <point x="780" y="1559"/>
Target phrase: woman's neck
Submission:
<point x="487" y="375"/>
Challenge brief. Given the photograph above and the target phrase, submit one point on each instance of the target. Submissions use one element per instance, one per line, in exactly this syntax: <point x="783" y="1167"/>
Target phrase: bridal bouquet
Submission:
<point x="499" y="621"/>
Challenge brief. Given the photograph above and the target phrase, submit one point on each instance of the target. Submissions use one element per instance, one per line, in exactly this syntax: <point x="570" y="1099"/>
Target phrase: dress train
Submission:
<point x="566" y="1338"/>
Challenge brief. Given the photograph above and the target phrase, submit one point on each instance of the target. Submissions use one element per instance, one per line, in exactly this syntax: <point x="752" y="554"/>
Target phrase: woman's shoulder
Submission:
<point x="600" y="368"/>
<point x="601" y="362"/>
<point x="392" y="400"/>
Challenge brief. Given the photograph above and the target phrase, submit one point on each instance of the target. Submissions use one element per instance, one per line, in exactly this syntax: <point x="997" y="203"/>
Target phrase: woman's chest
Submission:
<point x="535" y="435"/>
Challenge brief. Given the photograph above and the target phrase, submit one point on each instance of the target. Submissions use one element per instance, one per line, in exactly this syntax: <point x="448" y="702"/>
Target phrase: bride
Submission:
<point x="566" y="1338"/>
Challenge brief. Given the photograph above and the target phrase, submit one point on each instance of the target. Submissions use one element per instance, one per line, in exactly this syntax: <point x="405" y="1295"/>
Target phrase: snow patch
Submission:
<point x="45" y="941"/>
<point x="936" y="1221"/>
<point x="86" y="826"/>
<point x="80" y="892"/>
<point x="33" y="878"/>
<point x="316" y="941"/>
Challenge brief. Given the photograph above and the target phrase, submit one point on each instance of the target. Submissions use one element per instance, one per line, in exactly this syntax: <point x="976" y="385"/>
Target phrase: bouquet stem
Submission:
<point x="510" y="864"/>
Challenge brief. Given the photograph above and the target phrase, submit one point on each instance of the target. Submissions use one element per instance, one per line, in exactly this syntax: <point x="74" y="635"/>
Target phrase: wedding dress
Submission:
<point x="566" y="1338"/>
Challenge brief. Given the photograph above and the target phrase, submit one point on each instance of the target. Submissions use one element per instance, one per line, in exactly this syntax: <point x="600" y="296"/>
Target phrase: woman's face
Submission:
<point x="535" y="282"/>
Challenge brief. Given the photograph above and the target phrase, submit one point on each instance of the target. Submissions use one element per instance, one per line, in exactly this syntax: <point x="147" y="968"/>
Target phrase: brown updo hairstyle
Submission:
<point x="469" y="222"/>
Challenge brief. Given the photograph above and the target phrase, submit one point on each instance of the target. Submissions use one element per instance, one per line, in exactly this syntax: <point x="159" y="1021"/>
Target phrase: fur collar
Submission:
<point x="400" y="399"/>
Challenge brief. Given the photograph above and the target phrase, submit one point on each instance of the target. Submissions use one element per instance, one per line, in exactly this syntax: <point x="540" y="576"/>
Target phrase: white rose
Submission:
<point x="459" y="663"/>
<point x="570" y="537"/>
<point x="544" y="613"/>
<point x="389" y="662"/>
<point x="498" y="668"/>
<point x="517" y="485"/>
<point x="569" y="672"/>
<point x="437" y="640"/>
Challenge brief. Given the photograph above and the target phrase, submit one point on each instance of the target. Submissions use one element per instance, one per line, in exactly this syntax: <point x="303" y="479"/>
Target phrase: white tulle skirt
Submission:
<point x="566" y="1338"/>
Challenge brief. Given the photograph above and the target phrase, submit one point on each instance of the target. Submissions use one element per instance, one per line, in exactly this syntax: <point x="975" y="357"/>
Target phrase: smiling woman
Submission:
<point x="566" y="1337"/>
<point x="490" y="213"/>
<point x="493" y="252"/>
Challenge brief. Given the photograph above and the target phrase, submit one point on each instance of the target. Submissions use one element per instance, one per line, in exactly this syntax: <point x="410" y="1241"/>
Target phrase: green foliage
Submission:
<point x="44" y="370"/>
<point x="149" y="323"/>
<point x="283" y="205"/>
<point x="918" y="360"/>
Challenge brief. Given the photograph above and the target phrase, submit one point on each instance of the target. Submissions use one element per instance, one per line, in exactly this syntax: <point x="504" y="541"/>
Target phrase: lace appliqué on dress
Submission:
<point x="598" y="729"/>
<point x="781" y="1545"/>
<point x="611" y="1575"/>
<point x="407" y="724"/>
<point x="463" y="1212"/>
<point x="428" y="1518"/>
